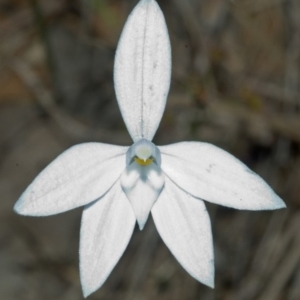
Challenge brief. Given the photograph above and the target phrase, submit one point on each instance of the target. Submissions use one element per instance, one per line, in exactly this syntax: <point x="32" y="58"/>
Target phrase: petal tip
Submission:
<point x="24" y="208"/>
<point x="141" y="220"/>
<point x="210" y="280"/>
<point x="18" y="208"/>
<point x="141" y="224"/>
<point x="86" y="292"/>
<point x="87" y="287"/>
<point x="278" y="203"/>
<point x="281" y="205"/>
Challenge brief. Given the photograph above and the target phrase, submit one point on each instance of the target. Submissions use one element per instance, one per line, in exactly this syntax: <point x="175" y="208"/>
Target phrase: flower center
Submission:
<point x="144" y="153"/>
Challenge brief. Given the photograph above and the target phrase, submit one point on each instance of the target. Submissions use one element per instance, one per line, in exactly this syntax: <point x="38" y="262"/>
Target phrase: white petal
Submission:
<point x="143" y="69"/>
<point x="210" y="173"/>
<point x="106" y="228"/>
<point x="142" y="185"/>
<point x="184" y="225"/>
<point x="77" y="177"/>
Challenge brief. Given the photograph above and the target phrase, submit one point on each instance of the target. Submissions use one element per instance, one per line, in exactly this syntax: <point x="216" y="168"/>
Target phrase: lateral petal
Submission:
<point x="214" y="175"/>
<point x="77" y="177"/>
<point x="184" y="225"/>
<point x="106" y="229"/>
<point x="142" y="70"/>
<point x="142" y="186"/>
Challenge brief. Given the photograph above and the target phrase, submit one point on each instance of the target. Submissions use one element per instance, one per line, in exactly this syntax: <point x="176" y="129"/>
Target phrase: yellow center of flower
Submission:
<point x="143" y="162"/>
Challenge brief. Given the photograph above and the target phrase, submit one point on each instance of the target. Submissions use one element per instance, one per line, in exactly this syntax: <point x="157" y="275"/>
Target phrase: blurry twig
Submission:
<point x="258" y="6"/>
<point x="283" y="125"/>
<point x="290" y="261"/>
<point x="222" y="20"/>
<point x="291" y="8"/>
<point x="283" y="147"/>
<point x="263" y="39"/>
<point x="44" y="35"/>
<point x="270" y="90"/>
<point x="281" y="258"/>
<point x="24" y="18"/>
<point x="294" y="293"/>
<point x="263" y="256"/>
<point x="143" y="259"/>
<point x="59" y="267"/>
<point x="193" y="24"/>
<point x="66" y="123"/>
<point x="198" y="39"/>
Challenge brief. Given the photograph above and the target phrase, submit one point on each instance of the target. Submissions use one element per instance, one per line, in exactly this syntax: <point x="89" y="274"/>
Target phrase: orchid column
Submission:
<point x="119" y="186"/>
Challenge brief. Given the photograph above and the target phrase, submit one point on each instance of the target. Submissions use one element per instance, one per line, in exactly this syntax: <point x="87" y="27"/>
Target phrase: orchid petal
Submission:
<point x="142" y="70"/>
<point x="184" y="225"/>
<point x="77" y="177"/>
<point x="212" y="174"/>
<point x="142" y="185"/>
<point x="106" y="229"/>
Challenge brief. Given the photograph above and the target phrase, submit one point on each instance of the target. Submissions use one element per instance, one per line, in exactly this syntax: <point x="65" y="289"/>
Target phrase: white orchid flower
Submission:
<point x="121" y="185"/>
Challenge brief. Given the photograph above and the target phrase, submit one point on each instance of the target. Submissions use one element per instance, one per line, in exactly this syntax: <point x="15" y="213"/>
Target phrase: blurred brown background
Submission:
<point x="235" y="84"/>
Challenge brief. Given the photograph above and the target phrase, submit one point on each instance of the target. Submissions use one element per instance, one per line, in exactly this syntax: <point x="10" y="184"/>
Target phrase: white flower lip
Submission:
<point x="142" y="186"/>
<point x="143" y="180"/>
<point x="119" y="186"/>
